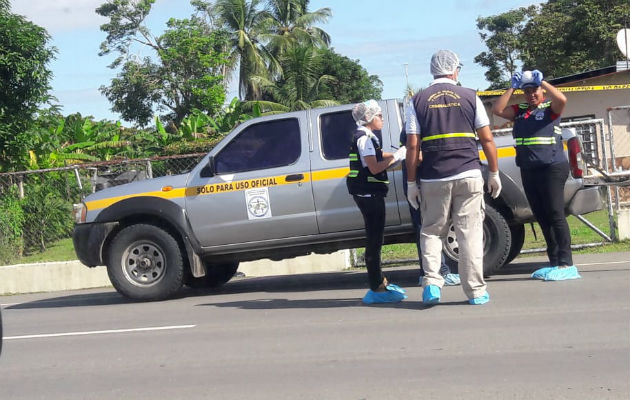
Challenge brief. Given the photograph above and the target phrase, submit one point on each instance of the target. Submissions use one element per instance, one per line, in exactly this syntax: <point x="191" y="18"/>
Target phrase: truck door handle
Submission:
<point x="294" y="177"/>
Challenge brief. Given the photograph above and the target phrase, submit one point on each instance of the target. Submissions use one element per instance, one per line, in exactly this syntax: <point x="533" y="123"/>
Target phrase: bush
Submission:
<point x="47" y="214"/>
<point x="11" y="227"/>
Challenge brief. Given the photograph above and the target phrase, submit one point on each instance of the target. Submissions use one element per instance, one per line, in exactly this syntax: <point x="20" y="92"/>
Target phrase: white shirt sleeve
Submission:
<point x="412" y="125"/>
<point x="481" y="116"/>
<point x="366" y="148"/>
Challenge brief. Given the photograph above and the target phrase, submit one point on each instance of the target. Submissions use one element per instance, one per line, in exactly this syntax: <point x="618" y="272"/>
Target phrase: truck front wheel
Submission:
<point x="497" y="240"/>
<point x="145" y="263"/>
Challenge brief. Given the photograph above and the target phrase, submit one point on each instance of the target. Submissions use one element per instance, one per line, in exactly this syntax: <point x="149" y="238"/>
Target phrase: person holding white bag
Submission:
<point x="544" y="165"/>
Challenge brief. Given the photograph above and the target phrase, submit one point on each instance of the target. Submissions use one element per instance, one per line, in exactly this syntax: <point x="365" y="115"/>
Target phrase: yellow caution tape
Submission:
<point x="562" y="89"/>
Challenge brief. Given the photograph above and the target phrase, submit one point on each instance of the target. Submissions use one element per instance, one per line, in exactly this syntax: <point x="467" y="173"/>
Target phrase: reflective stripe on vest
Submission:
<point x="535" y="140"/>
<point x="373" y="179"/>
<point x="529" y="141"/>
<point x="449" y="135"/>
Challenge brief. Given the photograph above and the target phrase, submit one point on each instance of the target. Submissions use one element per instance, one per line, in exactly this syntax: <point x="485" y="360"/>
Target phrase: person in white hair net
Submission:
<point x="544" y="165"/>
<point x="442" y="120"/>
<point x="367" y="182"/>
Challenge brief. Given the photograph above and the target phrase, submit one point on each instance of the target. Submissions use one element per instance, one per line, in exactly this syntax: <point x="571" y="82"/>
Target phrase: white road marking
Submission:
<point x="605" y="263"/>
<point x="48" y="335"/>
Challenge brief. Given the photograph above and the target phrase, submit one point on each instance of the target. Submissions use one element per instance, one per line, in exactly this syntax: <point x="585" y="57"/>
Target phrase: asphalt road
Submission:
<point x="309" y="337"/>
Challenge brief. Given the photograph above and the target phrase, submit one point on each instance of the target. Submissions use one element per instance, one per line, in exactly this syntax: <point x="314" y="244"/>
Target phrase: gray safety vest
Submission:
<point x="446" y="114"/>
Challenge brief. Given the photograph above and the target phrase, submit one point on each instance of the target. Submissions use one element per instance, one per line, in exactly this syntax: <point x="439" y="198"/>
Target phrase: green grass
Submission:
<point x="580" y="234"/>
<point x="62" y="250"/>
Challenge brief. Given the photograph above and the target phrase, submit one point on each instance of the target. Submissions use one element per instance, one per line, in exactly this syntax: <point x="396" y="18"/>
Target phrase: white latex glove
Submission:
<point x="400" y="154"/>
<point x="494" y="184"/>
<point x="413" y="194"/>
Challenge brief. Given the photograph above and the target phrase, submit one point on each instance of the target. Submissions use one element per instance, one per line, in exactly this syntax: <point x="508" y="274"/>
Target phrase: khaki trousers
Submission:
<point x="461" y="201"/>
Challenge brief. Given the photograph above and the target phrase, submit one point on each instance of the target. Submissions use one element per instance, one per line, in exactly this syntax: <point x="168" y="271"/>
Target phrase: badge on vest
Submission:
<point x="540" y="116"/>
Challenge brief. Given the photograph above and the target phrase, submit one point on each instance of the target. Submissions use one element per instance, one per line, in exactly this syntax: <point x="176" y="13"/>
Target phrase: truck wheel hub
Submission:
<point x="144" y="263"/>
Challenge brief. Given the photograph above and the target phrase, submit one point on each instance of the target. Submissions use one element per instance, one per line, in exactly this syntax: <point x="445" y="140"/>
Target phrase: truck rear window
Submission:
<point x="336" y="131"/>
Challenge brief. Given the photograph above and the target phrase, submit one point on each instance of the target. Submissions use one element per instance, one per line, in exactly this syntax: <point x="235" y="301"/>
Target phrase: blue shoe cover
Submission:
<point x="389" y="296"/>
<point x="562" y="274"/>
<point x="452" y="280"/>
<point x="483" y="299"/>
<point x="395" y="288"/>
<point x="542" y="272"/>
<point x="431" y="295"/>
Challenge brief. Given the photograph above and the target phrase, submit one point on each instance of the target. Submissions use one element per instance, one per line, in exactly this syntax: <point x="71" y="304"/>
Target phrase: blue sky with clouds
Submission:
<point x="383" y="35"/>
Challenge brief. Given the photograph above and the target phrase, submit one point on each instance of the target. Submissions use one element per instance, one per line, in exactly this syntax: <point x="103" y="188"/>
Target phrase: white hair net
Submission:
<point x="444" y="62"/>
<point x="363" y="113"/>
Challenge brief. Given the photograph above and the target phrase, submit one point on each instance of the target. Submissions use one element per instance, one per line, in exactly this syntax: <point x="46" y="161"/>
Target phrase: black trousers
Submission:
<point x="373" y="211"/>
<point x="544" y="188"/>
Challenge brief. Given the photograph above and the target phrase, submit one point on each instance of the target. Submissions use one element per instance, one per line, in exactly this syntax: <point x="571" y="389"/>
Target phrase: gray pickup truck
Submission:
<point x="275" y="188"/>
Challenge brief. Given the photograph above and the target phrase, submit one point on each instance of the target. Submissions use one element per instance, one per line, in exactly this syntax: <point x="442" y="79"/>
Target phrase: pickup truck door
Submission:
<point x="336" y="210"/>
<point x="261" y="189"/>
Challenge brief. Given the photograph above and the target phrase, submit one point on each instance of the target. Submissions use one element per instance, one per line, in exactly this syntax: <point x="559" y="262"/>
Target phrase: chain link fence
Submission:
<point x="36" y="206"/>
<point x="618" y="165"/>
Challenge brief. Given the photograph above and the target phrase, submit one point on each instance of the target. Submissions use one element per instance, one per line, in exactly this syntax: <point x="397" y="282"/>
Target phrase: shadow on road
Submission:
<point x="406" y="276"/>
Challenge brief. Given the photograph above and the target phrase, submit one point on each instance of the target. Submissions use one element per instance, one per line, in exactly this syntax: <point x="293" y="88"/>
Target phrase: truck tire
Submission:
<point x="145" y="263"/>
<point x="518" y="238"/>
<point x="216" y="275"/>
<point x="497" y="240"/>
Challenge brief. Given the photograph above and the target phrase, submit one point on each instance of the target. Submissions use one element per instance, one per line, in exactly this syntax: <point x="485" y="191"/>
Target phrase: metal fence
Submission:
<point x="36" y="206"/>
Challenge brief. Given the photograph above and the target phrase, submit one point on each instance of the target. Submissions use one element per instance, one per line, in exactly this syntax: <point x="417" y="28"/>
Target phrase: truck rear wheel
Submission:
<point x="145" y="263"/>
<point x="497" y="240"/>
<point x="518" y="238"/>
<point x="216" y="275"/>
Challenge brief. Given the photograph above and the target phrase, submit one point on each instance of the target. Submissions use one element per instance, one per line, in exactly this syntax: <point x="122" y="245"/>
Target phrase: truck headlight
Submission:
<point x="79" y="211"/>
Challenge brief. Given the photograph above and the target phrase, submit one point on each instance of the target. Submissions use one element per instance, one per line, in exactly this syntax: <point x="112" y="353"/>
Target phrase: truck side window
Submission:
<point x="268" y="144"/>
<point x="336" y="134"/>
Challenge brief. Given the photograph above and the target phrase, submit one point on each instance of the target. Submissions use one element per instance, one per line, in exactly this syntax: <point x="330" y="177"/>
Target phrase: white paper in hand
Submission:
<point x="399" y="156"/>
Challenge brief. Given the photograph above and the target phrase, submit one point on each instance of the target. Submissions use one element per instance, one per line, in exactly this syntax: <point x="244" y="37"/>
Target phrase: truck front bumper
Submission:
<point x="88" y="240"/>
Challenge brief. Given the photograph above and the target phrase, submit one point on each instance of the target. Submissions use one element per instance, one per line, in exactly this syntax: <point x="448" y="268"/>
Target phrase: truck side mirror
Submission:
<point x="209" y="170"/>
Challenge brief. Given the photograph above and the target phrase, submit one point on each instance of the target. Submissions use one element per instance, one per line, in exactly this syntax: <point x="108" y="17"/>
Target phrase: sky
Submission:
<point x="392" y="39"/>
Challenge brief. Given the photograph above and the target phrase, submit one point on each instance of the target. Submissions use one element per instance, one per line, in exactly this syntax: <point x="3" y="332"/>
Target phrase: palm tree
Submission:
<point x="291" y="23"/>
<point x="245" y="23"/>
<point x="299" y="87"/>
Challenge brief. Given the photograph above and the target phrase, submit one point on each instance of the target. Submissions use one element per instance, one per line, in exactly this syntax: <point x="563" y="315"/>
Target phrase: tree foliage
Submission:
<point x="298" y="87"/>
<point x="245" y="23"/>
<point x="290" y="23"/>
<point x="352" y="84"/>
<point x="24" y="83"/>
<point x="567" y="37"/>
<point x="502" y="36"/>
<point x="559" y="37"/>
<point x="185" y="72"/>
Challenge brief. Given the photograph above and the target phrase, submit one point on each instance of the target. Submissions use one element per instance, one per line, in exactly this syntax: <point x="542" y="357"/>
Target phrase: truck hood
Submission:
<point x="140" y="187"/>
